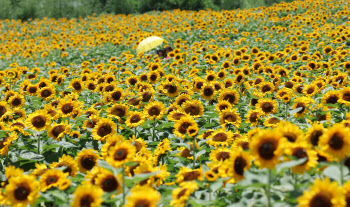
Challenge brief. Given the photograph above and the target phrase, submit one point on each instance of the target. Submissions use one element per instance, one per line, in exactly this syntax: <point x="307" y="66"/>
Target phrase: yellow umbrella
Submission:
<point x="149" y="43"/>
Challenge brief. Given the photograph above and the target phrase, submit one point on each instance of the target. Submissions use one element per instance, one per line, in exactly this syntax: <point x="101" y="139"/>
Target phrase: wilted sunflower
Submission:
<point x="266" y="147"/>
<point x="229" y="95"/>
<point x="220" y="137"/>
<point x="86" y="160"/>
<point x="181" y="125"/>
<point x="57" y="131"/>
<point x="323" y="193"/>
<point x="66" y="161"/>
<point x="135" y="119"/>
<point x="208" y="91"/>
<point x="105" y="127"/>
<point x="108" y="182"/>
<point x="267" y="106"/>
<point x="193" y="108"/>
<point x="335" y="142"/>
<point x="182" y="194"/>
<point x="52" y="178"/>
<point x="237" y="164"/>
<point x="154" y="110"/>
<point x="121" y="153"/>
<point x="118" y="111"/>
<point x="87" y="195"/>
<point x="230" y="116"/>
<point x="22" y="190"/>
<point x="39" y="120"/>
<point x="299" y="151"/>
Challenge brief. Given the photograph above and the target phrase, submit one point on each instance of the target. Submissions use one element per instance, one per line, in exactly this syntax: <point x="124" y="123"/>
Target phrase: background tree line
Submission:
<point x="26" y="9"/>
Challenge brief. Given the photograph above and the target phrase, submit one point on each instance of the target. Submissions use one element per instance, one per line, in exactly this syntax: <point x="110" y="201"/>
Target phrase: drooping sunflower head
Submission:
<point x="186" y="174"/>
<point x="118" y="111"/>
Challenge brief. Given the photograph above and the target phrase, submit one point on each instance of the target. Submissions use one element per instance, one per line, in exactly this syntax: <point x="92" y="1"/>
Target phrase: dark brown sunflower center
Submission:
<point x="109" y="184"/>
<point x="336" y="141"/>
<point x="120" y="154"/>
<point x="86" y="200"/>
<point x="192" y="175"/>
<point x="135" y="119"/>
<point x="229" y="117"/>
<point x="65" y="164"/>
<point x="192" y="110"/>
<point x="154" y="111"/>
<point x="16" y="101"/>
<point x="18" y="124"/>
<point x="67" y="108"/>
<point x="300" y="153"/>
<point x="267" y="149"/>
<point x="109" y="88"/>
<point x="222" y="155"/>
<point x="104" y="129"/>
<point x="132" y="81"/>
<point x="320" y="200"/>
<point x="118" y="111"/>
<point x="332" y="100"/>
<point x="91" y="86"/>
<point x="208" y="91"/>
<point x="116" y="95"/>
<point x="229" y="97"/>
<point x="172" y="89"/>
<point x="32" y="89"/>
<point x="185" y="153"/>
<point x="302" y="105"/>
<point x="51" y="179"/>
<point x="142" y="203"/>
<point x="266" y="88"/>
<point x="57" y="130"/>
<point x="45" y="93"/>
<point x="315" y="135"/>
<point x="183" y="127"/>
<point x="267" y="107"/>
<point x="39" y="121"/>
<point x="21" y="192"/>
<point x="88" y="162"/>
<point x="77" y="86"/>
<point x="290" y="136"/>
<point x="2" y="142"/>
<point x="253" y="117"/>
<point x="239" y="165"/>
<point x="346" y="96"/>
<point x="220" y="137"/>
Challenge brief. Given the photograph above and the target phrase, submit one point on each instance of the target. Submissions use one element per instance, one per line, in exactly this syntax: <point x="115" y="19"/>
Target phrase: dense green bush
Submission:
<point x="26" y="9"/>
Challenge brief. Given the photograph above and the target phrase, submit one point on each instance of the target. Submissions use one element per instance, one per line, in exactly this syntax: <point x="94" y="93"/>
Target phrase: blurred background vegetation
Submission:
<point x="31" y="9"/>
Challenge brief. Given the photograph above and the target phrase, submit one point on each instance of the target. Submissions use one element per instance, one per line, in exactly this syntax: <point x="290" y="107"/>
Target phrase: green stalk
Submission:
<point x="341" y="164"/>
<point x="38" y="138"/>
<point x="268" y="190"/>
<point x="194" y="152"/>
<point x="154" y="129"/>
<point x="123" y="178"/>
<point x="135" y="132"/>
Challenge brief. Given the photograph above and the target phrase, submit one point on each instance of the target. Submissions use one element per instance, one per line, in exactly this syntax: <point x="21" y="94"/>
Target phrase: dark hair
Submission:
<point x="168" y="49"/>
<point x="160" y="51"/>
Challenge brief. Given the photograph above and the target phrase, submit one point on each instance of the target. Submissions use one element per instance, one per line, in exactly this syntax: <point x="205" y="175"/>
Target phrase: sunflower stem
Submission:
<point x="194" y="152"/>
<point x="38" y="138"/>
<point x="135" y="132"/>
<point x="286" y="112"/>
<point x="123" y="178"/>
<point x="268" y="189"/>
<point x="154" y="129"/>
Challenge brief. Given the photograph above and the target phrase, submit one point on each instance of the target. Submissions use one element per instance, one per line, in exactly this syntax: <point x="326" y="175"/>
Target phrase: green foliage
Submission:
<point x="31" y="9"/>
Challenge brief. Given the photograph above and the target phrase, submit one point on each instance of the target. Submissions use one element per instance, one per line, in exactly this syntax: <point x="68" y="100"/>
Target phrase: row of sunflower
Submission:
<point x="252" y="107"/>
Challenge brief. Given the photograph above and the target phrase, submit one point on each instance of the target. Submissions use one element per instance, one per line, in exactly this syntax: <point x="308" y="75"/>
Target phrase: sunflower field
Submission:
<point x="251" y="108"/>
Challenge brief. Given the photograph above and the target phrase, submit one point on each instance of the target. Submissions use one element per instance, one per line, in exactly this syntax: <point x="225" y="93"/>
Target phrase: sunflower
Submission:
<point x="91" y="123"/>
<point x="312" y="136"/>
<point x="267" y="106"/>
<point x="108" y="182"/>
<point x="52" y="178"/>
<point x="86" y="160"/>
<point x="32" y="89"/>
<point x="67" y="108"/>
<point x="118" y="111"/>
<point x="266" y="147"/>
<point x="4" y="109"/>
<point x="230" y="116"/>
<point x="57" y="131"/>
<point x="208" y="91"/>
<point x="229" y="95"/>
<point x="22" y="190"/>
<point x="87" y="195"/>
<point x="77" y="85"/>
<point x="237" y="164"/>
<point x="310" y="90"/>
<point x="182" y="194"/>
<point x="154" y="110"/>
<point x="104" y="127"/>
<point x="302" y="103"/>
<point x="121" y="153"/>
<point x="187" y="174"/>
<point x="219" y="154"/>
<point x="331" y="97"/>
<point x="16" y="101"/>
<point x="182" y="98"/>
<point x="253" y="117"/>
<point x="47" y="93"/>
<point x="39" y="120"/>
<point x="171" y="89"/>
<point x="334" y="141"/>
<point x="323" y="193"/>
<point x="115" y="95"/>
<point x="344" y="96"/>
<point x="67" y="162"/>
<point x="39" y="170"/>
<point x="5" y="142"/>
<point x="181" y="125"/>
<point x="220" y="137"/>
<point x="290" y="131"/>
<point x="135" y="119"/>
<point x="194" y="108"/>
<point x="301" y="150"/>
<point x="176" y="115"/>
<point x="222" y="105"/>
<point x="111" y="141"/>
<point x="139" y="143"/>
